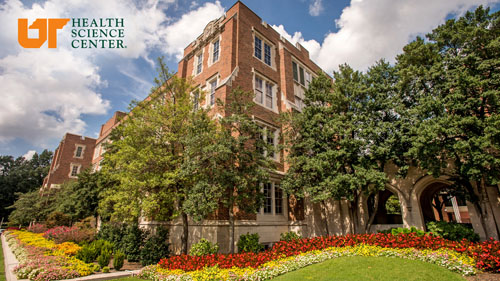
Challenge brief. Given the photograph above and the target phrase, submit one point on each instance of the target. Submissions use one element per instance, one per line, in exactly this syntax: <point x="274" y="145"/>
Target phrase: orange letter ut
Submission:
<point x="41" y="25"/>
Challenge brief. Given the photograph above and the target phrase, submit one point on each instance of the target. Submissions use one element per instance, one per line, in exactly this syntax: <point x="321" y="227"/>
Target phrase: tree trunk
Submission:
<point x="231" y="230"/>
<point x="374" y="212"/>
<point x="353" y="215"/>
<point x="325" y="217"/>
<point x="185" y="233"/>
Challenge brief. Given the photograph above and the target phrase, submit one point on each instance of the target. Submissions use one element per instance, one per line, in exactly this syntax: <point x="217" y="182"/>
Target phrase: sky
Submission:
<point x="45" y="93"/>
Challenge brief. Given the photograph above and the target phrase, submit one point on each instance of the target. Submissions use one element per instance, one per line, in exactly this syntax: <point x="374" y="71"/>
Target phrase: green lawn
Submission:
<point x="2" y="264"/>
<point x="366" y="268"/>
<point x="371" y="268"/>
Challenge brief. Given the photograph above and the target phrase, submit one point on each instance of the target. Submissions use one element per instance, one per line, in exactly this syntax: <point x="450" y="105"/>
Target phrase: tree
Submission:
<point x="147" y="154"/>
<point x="20" y="176"/>
<point x="340" y="142"/>
<point x="455" y="81"/>
<point x="80" y="199"/>
<point x="32" y="206"/>
<point x="241" y="161"/>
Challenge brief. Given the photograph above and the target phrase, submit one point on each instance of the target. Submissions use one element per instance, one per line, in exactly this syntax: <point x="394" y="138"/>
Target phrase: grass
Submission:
<point x="371" y="268"/>
<point x="365" y="268"/>
<point x="2" y="265"/>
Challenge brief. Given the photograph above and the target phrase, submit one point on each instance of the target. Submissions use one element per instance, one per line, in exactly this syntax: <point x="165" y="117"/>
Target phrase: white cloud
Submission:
<point x="375" y="29"/>
<point x="182" y="32"/>
<point x="315" y="8"/>
<point x="46" y="92"/>
<point x="29" y="154"/>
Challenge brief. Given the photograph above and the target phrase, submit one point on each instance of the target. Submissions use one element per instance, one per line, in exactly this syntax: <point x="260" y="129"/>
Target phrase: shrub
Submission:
<point x="90" y="252"/>
<point x="132" y="241"/>
<point x="249" y="243"/>
<point x="104" y="258"/>
<point x="204" y="247"/>
<point x="105" y="269"/>
<point x="38" y="228"/>
<point x="156" y="247"/>
<point x="57" y="219"/>
<point x="452" y="231"/>
<point x="87" y="254"/>
<point x="289" y="236"/>
<point x="113" y="233"/>
<point x="63" y="234"/>
<point x="118" y="259"/>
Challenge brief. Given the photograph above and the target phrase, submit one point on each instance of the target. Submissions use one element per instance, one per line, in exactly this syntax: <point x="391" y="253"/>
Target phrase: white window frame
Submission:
<point x="78" y="168"/>
<point x="76" y="150"/>
<point x="273" y="185"/>
<point x="211" y="54"/>
<point x="264" y="41"/>
<point x="196" y="62"/>
<point x="264" y="92"/>
<point x="306" y="73"/>
<point x="196" y="96"/>
<point x="266" y="130"/>
<point x="209" y="90"/>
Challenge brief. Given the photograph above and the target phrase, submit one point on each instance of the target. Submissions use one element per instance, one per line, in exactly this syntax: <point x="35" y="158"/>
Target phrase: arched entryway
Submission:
<point x="388" y="210"/>
<point x="440" y="202"/>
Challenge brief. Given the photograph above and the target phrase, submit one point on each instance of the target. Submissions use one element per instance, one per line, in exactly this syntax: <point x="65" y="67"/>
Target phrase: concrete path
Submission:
<point x="11" y="262"/>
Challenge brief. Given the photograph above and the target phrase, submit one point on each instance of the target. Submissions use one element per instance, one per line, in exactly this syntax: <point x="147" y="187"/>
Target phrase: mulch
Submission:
<point x="484" y="277"/>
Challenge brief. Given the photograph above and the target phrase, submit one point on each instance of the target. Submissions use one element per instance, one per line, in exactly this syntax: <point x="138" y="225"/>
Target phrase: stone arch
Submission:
<point x="384" y="220"/>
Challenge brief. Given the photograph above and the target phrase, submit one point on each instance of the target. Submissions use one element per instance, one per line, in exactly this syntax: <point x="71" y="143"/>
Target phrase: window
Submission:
<point x="259" y="45"/>
<point x="278" y="199"/>
<point x="270" y="137"/>
<point x="301" y="74"/>
<point x="264" y="92"/>
<point x="196" y="100"/>
<point x="74" y="170"/>
<point x="268" y="198"/>
<point x="79" y="150"/>
<point x="295" y="71"/>
<point x="213" y="86"/>
<point x="199" y="63"/>
<point x="273" y="199"/>
<point x="267" y="54"/>
<point x="258" y="48"/>
<point x="258" y="90"/>
<point x="215" y="55"/>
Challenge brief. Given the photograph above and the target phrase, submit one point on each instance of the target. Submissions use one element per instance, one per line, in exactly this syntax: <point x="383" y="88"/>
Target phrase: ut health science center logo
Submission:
<point x="86" y="33"/>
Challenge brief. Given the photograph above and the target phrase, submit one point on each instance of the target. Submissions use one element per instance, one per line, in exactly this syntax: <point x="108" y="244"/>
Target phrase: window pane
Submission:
<point x="308" y="78"/>
<point x="269" y="95"/>
<point x="213" y="85"/>
<point x="301" y="75"/>
<point x="268" y="199"/>
<point x="79" y="151"/>
<point x="270" y="141"/>
<point x="278" y="199"/>
<point x="200" y="62"/>
<point x="196" y="100"/>
<point x="295" y="72"/>
<point x="267" y="54"/>
<point x="258" y="48"/>
<point x="258" y="90"/>
<point x="74" y="171"/>
<point x="216" y="51"/>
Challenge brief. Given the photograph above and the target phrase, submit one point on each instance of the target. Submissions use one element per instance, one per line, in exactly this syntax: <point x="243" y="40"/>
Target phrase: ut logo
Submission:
<point x="41" y="25"/>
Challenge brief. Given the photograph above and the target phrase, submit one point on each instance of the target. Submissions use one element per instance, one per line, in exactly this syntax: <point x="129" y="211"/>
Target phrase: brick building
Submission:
<point x="72" y="156"/>
<point x="106" y="129"/>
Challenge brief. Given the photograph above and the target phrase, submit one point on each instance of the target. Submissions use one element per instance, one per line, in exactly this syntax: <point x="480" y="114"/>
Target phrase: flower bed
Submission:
<point x="460" y="256"/>
<point x="42" y="259"/>
<point x="449" y="259"/>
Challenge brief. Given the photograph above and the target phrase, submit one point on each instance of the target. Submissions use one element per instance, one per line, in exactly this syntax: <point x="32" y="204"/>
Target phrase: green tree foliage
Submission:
<point x="241" y="162"/>
<point x="147" y="158"/>
<point x="340" y="142"/>
<point x="451" y="83"/>
<point x="33" y="206"/>
<point x="20" y="176"/>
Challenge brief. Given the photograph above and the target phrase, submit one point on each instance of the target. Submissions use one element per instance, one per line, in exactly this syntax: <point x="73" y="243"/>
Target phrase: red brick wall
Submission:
<point x="64" y="156"/>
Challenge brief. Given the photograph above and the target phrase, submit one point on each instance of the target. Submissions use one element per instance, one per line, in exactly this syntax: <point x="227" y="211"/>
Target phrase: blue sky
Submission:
<point x="48" y="92"/>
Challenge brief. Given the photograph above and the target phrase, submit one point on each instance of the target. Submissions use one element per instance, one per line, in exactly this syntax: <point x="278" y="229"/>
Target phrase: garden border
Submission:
<point x="11" y="262"/>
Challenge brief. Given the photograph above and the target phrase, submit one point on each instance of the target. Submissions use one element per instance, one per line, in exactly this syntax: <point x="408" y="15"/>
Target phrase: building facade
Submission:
<point x="71" y="157"/>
